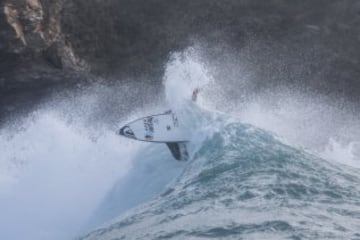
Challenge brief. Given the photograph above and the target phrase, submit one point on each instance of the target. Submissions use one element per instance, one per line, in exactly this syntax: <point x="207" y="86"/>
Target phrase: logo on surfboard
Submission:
<point x="149" y="128"/>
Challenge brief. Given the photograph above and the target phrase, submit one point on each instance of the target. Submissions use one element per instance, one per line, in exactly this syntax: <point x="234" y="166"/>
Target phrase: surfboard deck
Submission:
<point x="161" y="128"/>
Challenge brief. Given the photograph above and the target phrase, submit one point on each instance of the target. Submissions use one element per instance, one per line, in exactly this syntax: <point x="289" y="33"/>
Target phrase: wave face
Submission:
<point x="244" y="183"/>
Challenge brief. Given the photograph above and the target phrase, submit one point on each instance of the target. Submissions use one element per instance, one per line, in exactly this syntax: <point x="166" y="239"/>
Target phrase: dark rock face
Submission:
<point x="311" y="44"/>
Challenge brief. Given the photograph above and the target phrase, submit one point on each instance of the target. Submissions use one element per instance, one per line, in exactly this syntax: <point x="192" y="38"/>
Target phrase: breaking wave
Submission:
<point x="243" y="182"/>
<point x="279" y="165"/>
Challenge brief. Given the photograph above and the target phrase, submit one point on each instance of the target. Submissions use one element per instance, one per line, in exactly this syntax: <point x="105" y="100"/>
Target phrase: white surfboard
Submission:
<point x="163" y="128"/>
<point x="160" y="128"/>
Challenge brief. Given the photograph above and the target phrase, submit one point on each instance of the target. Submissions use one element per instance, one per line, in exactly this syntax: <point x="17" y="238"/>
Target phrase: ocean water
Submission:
<point x="245" y="184"/>
<point x="259" y="168"/>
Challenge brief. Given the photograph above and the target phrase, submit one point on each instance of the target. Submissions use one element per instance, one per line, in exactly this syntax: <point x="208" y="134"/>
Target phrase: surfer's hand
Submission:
<point x="195" y="94"/>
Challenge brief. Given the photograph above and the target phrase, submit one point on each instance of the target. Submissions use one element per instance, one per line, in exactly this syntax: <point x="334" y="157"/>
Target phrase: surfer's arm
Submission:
<point x="195" y="94"/>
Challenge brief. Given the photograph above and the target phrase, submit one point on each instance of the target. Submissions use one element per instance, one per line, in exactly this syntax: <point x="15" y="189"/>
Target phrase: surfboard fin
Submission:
<point x="178" y="150"/>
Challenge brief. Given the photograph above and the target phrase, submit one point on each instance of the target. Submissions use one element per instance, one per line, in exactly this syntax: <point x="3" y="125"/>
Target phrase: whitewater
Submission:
<point x="274" y="166"/>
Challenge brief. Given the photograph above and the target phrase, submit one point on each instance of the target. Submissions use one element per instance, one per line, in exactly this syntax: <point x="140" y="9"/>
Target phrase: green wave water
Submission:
<point x="243" y="183"/>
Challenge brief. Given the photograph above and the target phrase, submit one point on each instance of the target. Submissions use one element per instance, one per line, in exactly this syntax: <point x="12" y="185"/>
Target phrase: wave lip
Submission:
<point x="244" y="182"/>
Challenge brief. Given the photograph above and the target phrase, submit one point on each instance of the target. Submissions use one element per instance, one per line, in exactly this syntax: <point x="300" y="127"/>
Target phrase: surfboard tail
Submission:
<point x="179" y="151"/>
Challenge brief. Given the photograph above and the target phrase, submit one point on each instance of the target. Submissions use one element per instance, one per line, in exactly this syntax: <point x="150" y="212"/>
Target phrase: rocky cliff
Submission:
<point x="304" y="43"/>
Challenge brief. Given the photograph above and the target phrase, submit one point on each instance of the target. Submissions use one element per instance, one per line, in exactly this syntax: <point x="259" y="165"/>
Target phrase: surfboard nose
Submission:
<point x="126" y="132"/>
<point x="121" y="131"/>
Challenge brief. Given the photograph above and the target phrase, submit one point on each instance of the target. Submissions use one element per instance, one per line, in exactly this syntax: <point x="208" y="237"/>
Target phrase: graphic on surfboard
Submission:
<point x="160" y="128"/>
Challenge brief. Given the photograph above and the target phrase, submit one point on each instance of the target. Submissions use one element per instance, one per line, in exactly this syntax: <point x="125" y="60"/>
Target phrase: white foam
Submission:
<point x="184" y="72"/>
<point x="56" y="175"/>
<point x="302" y="120"/>
<point x="346" y="153"/>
